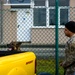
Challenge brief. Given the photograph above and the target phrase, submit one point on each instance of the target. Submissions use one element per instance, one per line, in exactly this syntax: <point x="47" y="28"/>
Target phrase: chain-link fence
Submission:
<point x="35" y="28"/>
<point x="20" y="26"/>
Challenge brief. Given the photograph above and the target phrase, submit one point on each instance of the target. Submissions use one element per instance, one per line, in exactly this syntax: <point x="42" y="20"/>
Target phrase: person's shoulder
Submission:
<point x="73" y="41"/>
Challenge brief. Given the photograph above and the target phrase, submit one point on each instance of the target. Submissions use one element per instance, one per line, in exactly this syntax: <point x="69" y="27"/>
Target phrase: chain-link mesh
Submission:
<point x="35" y="28"/>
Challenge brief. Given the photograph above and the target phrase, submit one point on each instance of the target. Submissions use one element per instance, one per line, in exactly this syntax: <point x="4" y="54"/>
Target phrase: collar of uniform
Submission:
<point x="72" y="36"/>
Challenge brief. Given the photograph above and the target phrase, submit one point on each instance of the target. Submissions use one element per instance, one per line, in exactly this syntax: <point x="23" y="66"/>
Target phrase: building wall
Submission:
<point x="9" y="25"/>
<point x="72" y="10"/>
<point x="38" y="35"/>
<point x="0" y="21"/>
<point x="72" y="3"/>
<point x="47" y="36"/>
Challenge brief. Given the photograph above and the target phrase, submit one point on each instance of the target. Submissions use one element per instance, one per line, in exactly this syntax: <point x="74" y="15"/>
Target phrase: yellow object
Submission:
<point x="18" y="64"/>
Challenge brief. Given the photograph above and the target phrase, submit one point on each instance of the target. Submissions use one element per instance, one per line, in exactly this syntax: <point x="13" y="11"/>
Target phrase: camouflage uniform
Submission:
<point x="70" y="56"/>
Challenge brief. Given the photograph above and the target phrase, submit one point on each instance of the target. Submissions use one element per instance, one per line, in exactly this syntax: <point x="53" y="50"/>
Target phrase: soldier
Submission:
<point x="69" y="63"/>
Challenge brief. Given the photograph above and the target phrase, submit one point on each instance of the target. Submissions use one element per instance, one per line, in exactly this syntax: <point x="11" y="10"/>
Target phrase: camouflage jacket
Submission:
<point x="70" y="55"/>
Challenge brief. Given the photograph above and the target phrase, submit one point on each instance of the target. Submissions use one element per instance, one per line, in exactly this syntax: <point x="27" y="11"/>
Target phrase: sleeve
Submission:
<point x="70" y="56"/>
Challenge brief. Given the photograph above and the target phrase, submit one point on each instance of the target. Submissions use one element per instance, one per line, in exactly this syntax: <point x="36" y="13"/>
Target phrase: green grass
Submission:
<point x="44" y="65"/>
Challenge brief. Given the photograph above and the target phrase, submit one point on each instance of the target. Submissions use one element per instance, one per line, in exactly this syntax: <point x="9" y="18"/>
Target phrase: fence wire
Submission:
<point x="35" y="29"/>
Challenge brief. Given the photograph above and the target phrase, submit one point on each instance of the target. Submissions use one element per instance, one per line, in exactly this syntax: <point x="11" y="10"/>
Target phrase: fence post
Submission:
<point x="56" y="38"/>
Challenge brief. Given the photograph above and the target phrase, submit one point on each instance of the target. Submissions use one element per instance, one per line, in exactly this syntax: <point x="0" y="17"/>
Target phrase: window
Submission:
<point x="51" y="2"/>
<point x="63" y="16"/>
<point x="19" y="1"/>
<point x="44" y="13"/>
<point x="52" y="17"/>
<point x="39" y="17"/>
<point x="39" y="2"/>
<point x="64" y="2"/>
<point x="61" y="2"/>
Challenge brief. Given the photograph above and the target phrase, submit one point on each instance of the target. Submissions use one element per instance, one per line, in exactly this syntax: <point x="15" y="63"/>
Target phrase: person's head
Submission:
<point x="69" y="28"/>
